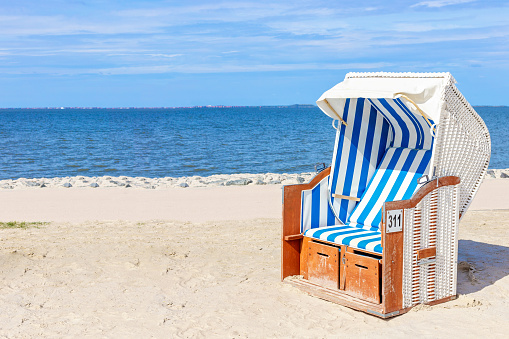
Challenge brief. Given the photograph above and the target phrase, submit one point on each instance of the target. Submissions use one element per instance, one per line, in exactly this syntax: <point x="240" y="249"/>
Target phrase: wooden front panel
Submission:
<point x="323" y="265"/>
<point x="362" y="277"/>
<point x="392" y="270"/>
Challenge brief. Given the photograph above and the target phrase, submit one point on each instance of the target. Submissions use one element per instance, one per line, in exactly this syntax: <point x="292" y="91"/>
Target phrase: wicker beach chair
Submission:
<point x="377" y="230"/>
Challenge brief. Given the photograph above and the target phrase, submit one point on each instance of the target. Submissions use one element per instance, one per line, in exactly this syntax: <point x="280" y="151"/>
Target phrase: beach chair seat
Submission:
<point x="365" y="233"/>
<point x="394" y="179"/>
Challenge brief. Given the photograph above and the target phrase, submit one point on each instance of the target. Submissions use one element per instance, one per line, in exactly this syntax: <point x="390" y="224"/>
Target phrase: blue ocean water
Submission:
<point x="177" y="142"/>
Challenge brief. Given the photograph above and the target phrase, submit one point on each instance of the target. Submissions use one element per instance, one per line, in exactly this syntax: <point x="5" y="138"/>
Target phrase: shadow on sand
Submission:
<point x="480" y="265"/>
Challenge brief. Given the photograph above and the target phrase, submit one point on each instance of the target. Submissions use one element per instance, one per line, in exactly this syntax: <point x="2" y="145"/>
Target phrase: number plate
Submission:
<point x="394" y="221"/>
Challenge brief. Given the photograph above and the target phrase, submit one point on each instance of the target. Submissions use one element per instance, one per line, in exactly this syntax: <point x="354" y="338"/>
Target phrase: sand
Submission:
<point x="142" y="263"/>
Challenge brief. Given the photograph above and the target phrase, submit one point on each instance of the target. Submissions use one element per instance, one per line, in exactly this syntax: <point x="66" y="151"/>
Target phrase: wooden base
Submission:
<point x="342" y="298"/>
<point x="338" y="297"/>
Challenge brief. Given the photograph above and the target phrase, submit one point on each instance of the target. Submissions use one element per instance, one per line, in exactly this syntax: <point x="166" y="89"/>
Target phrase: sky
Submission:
<point x="126" y="53"/>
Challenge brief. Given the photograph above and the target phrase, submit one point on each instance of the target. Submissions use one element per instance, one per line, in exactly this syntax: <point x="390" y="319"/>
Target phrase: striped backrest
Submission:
<point x="408" y="129"/>
<point x="358" y="149"/>
<point x="395" y="179"/>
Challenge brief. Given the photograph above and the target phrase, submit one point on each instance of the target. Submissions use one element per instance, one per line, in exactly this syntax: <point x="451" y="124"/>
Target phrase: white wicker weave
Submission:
<point x="432" y="223"/>
<point x="463" y="144"/>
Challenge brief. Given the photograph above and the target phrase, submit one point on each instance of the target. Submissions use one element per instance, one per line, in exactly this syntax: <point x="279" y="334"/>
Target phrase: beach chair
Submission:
<point x="377" y="230"/>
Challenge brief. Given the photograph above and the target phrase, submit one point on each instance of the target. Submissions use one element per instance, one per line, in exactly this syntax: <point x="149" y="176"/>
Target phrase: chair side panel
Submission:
<point x="463" y="145"/>
<point x="432" y="224"/>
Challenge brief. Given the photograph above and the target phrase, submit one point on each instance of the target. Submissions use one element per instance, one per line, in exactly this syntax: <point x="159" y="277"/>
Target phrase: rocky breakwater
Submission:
<point x="158" y="183"/>
<point x="497" y="173"/>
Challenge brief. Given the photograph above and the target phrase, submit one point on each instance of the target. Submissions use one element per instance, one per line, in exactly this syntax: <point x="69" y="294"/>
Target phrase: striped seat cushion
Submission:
<point x="348" y="235"/>
<point x="395" y="179"/>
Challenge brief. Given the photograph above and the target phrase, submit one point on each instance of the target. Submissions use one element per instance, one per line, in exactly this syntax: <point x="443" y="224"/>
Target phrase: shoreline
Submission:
<point x="216" y="180"/>
<point x="106" y="181"/>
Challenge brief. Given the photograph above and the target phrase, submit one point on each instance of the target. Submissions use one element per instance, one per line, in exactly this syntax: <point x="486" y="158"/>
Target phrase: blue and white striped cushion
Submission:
<point x="350" y="236"/>
<point x="395" y="179"/>
<point x="315" y="209"/>
<point x="408" y="130"/>
<point x="358" y="149"/>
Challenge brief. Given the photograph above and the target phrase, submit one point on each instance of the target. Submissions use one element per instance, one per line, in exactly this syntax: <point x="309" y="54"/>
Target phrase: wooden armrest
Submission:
<point x="421" y="193"/>
<point x="339" y="196"/>
<point x="426" y="253"/>
<point x="293" y="237"/>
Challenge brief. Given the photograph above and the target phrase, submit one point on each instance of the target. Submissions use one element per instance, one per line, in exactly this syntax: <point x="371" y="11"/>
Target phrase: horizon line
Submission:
<point x="179" y="107"/>
<point x="154" y="107"/>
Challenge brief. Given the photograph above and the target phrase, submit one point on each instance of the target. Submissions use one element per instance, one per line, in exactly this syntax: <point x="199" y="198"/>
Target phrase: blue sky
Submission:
<point x="186" y="53"/>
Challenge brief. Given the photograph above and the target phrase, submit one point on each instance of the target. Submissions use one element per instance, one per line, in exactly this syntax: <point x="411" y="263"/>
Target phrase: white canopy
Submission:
<point x="425" y="92"/>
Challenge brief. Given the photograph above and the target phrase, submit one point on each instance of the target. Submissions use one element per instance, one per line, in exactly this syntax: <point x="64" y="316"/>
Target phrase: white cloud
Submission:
<point x="161" y="55"/>
<point x="196" y="69"/>
<point x="441" y="3"/>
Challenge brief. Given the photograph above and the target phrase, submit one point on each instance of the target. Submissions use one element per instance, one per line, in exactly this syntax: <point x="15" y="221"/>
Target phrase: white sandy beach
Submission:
<point x="204" y="262"/>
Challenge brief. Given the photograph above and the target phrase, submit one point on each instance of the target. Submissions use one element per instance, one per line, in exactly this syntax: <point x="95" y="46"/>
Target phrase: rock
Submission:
<point x="183" y="184"/>
<point x="94" y="184"/>
<point x="504" y="175"/>
<point x="490" y="174"/>
<point x="214" y="183"/>
<point x="198" y="183"/>
<point x="301" y="180"/>
<point x="43" y="185"/>
<point x="128" y="185"/>
<point x="32" y="183"/>
<point x="67" y="184"/>
<point x="275" y="182"/>
<point x="259" y="182"/>
<point x="238" y="182"/>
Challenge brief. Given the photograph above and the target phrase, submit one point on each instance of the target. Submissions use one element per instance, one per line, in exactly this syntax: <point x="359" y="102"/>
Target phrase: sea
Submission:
<point x="176" y="142"/>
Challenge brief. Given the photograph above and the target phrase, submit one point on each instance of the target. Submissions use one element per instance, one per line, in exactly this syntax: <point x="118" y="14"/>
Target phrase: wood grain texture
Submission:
<point x="392" y="271"/>
<point x="304" y="257"/>
<point x="338" y="297"/>
<point x="362" y="277"/>
<point x="342" y="268"/>
<point x="290" y="250"/>
<point x="323" y="265"/>
<point x="293" y="237"/>
<point x="426" y="253"/>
